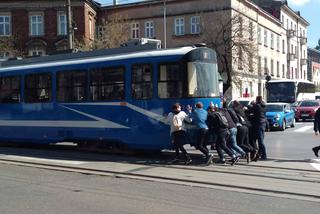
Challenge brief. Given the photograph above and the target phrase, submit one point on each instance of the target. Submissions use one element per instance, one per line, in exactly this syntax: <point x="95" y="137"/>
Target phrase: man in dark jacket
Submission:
<point x="316" y="129"/>
<point x="222" y="135"/>
<point x="260" y="122"/>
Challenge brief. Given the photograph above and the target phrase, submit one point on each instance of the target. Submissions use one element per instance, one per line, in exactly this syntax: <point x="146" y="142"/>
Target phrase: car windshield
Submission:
<point x="309" y="103"/>
<point x="274" y="108"/>
<point x="244" y="102"/>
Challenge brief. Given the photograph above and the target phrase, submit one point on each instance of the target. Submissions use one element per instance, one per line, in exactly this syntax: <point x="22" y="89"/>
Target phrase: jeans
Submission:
<point x="221" y="145"/>
<point x="260" y="136"/>
<point x="232" y="143"/>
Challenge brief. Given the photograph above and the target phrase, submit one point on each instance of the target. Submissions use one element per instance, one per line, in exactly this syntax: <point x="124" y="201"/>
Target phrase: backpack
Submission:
<point x="222" y="120"/>
<point x="177" y="123"/>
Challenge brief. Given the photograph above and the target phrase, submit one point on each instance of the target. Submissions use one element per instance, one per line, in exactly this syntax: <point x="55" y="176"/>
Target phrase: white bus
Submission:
<point x="290" y="91"/>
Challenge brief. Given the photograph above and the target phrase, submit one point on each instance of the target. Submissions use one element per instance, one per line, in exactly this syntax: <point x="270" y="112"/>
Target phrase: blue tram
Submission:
<point x="104" y="96"/>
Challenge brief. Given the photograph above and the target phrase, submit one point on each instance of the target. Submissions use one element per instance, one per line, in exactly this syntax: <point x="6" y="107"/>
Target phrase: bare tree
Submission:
<point x="233" y="40"/>
<point x="318" y="46"/>
<point x="113" y="32"/>
<point x="8" y="47"/>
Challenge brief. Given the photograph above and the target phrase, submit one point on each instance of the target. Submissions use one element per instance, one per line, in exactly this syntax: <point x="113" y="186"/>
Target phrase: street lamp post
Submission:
<point x="164" y="24"/>
<point x="69" y="21"/>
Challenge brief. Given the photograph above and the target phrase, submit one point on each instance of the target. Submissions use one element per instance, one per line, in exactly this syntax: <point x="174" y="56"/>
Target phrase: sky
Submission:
<point x="309" y="10"/>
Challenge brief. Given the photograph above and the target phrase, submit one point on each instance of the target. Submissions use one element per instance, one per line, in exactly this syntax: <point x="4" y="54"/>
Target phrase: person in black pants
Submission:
<point x="222" y="135"/>
<point x="243" y="127"/>
<point x="316" y="128"/>
<point x="260" y="122"/>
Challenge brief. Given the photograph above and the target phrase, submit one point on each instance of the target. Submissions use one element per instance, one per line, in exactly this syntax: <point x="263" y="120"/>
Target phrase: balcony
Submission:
<point x="292" y="56"/>
<point x="303" y="61"/>
<point x="303" y="41"/>
<point x="291" y="33"/>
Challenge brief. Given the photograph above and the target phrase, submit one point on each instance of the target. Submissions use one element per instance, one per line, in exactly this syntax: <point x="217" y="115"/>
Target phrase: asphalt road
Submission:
<point x="30" y="190"/>
<point x="293" y="143"/>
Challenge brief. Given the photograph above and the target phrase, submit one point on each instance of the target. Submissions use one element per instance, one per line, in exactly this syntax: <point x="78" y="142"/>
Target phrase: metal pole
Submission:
<point x="69" y="21"/>
<point x="164" y="24"/>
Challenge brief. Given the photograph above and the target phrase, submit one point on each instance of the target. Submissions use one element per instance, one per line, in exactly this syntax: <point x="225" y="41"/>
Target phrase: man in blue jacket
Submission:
<point x="199" y="117"/>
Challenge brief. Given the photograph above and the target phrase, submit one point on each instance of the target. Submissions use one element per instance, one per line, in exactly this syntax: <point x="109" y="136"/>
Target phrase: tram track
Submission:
<point x="140" y="171"/>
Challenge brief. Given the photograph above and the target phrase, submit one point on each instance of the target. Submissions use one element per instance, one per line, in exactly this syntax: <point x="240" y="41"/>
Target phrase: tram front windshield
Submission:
<point x="203" y="79"/>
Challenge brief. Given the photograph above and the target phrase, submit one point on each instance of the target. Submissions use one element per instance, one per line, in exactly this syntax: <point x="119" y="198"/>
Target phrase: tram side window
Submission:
<point x="10" y="89"/>
<point x="107" y="84"/>
<point x="170" y="81"/>
<point x="71" y="86"/>
<point x="142" y="86"/>
<point x="38" y="88"/>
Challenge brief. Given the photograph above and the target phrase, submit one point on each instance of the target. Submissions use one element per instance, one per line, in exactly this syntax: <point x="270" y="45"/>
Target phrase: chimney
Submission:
<point x="115" y="2"/>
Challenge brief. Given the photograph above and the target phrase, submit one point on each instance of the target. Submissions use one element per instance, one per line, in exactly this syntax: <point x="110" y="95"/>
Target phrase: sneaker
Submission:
<point x="188" y="161"/>
<point x="315" y="150"/>
<point x="234" y="161"/>
<point x="209" y="159"/>
<point x="174" y="160"/>
<point x="221" y="162"/>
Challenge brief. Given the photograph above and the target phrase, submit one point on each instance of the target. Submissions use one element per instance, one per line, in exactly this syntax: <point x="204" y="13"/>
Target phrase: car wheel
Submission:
<point x="283" y="125"/>
<point x="293" y="123"/>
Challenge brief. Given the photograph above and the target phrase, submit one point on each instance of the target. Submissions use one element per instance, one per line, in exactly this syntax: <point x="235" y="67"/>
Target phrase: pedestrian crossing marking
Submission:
<point x="303" y="129"/>
<point x="316" y="166"/>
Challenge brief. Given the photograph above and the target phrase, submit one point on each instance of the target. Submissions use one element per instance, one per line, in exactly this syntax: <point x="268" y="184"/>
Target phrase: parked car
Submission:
<point x="280" y="116"/>
<point x="307" y="109"/>
<point x="244" y="102"/>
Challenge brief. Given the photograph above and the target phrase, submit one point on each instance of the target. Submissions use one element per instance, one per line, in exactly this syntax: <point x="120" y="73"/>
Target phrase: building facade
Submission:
<point x="39" y="27"/>
<point x="192" y="21"/>
<point x="254" y="39"/>
<point x="314" y="67"/>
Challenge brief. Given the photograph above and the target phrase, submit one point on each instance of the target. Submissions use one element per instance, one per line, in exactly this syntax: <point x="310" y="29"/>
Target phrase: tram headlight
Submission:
<point x="277" y="117"/>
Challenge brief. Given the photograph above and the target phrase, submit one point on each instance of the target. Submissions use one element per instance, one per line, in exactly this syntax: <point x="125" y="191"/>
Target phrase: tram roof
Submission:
<point x="91" y="57"/>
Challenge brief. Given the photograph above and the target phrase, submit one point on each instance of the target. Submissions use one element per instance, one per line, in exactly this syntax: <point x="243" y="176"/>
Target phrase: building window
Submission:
<point x="91" y="31"/>
<point x="72" y="86"/>
<point x="107" y="84"/>
<point x="240" y="26"/>
<point x="195" y="24"/>
<point x="62" y="23"/>
<point x="179" y="26"/>
<point x="278" y="69"/>
<point x="259" y="35"/>
<point x="271" y="67"/>
<point x="265" y="66"/>
<point x="36" y="25"/>
<point x="283" y="71"/>
<point x="36" y="51"/>
<point x="5" y="28"/>
<point x="170" y="81"/>
<point x="240" y="59"/>
<point x="272" y="40"/>
<point x="265" y="38"/>
<point x="142" y="87"/>
<point x="135" y="34"/>
<point x="278" y="43"/>
<point x="37" y="88"/>
<point x="259" y="66"/>
<point x="10" y="89"/>
<point x="149" y="29"/>
<point x="250" y="31"/>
